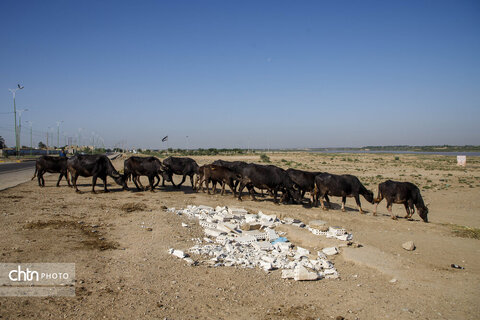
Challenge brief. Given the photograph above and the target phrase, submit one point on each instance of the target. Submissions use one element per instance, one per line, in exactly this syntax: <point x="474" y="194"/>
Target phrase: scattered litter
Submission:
<point x="302" y="274"/>
<point x="456" y="266"/>
<point x="280" y="239"/>
<point x="393" y="280"/>
<point x="409" y="246"/>
<point x="177" y="253"/>
<point x="184" y="225"/>
<point x="330" y="251"/>
<point x="235" y="237"/>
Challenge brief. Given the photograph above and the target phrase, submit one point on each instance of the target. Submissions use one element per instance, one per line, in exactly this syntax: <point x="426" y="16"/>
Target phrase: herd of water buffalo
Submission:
<point x="292" y="183"/>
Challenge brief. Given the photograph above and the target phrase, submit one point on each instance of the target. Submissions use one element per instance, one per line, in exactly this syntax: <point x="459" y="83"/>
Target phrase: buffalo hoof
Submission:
<point x="106" y="191"/>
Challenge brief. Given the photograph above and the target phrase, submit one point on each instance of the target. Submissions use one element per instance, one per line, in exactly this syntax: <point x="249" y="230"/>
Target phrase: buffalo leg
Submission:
<point x="325" y="196"/>
<point x="151" y="180"/>
<point x="359" y="205"/>
<point x="94" y="182"/>
<point x="223" y="188"/>
<point x="158" y="181"/>
<point x="74" y="176"/>
<point x="320" y="197"/>
<point x="59" y="179"/>
<point x="171" y="180"/>
<point x="183" y="180"/>
<point x="240" y="189"/>
<point x="214" y="186"/>
<point x="134" y="179"/>
<point x="275" y="194"/>
<point x="389" y="208"/>
<point x="207" y="182"/>
<point x="105" y="184"/>
<point x="202" y="184"/>
<point x="344" y="199"/>
<point x="407" y="208"/>
<point x="191" y="181"/>
<point x="66" y="177"/>
<point x="39" y="178"/>
<point x="140" y="183"/>
<point x="232" y="187"/>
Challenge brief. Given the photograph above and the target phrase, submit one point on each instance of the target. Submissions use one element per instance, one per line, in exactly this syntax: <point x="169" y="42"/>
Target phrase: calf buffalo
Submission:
<point x="95" y="166"/>
<point x="144" y="166"/>
<point x="405" y="193"/>
<point x="344" y="186"/>
<point x="180" y="166"/>
<point x="216" y="174"/>
<point x="51" y="165"/>
<point x="270" y="178"/>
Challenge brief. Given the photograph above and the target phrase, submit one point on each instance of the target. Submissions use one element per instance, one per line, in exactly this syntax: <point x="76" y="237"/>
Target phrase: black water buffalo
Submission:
<point x="180" y="166"/>
<point x="405" y="193"/>
<point x="51" y="165"/>
<point x="220" y="174"/>
<point x="268" y="177"/>
<point x="95" y="166"/>
<point x="305" y="180"/>
<point x="151" y="167"/>
<point x="344" y="186"/>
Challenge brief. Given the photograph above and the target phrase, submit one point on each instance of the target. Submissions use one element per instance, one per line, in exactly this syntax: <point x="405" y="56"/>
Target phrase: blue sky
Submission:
<point x="245" y="73"/>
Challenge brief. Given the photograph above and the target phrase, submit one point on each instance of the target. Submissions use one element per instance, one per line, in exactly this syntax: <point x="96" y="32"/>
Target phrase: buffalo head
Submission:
<point x="423" y="212"/>
<point x="369" y="196"/>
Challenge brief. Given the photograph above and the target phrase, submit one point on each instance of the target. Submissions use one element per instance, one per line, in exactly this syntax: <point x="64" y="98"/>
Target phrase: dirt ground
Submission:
<point x="124" y="271"/>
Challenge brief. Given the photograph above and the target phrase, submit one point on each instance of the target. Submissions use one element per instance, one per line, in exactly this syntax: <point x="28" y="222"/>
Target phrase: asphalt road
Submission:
<point x="14" y="166"/>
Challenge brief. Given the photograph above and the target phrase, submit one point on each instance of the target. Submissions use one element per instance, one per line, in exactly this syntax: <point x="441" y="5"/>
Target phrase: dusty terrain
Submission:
<point x="124" y="271"/>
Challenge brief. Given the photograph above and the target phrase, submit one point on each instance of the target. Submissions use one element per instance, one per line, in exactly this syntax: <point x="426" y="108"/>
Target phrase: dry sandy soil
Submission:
<point x="124" y="271"/>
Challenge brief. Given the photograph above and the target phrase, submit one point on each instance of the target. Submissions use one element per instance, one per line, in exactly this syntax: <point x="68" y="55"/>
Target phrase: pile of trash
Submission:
<point x="235" y="237"/>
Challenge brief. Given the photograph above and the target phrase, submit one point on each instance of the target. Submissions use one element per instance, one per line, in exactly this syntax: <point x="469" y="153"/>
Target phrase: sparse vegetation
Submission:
<point x="466" y="232"/>
<point x="264" y="158"/>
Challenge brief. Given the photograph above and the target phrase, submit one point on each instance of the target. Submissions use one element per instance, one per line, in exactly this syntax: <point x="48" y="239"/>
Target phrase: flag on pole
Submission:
<point x="165" y="139"/>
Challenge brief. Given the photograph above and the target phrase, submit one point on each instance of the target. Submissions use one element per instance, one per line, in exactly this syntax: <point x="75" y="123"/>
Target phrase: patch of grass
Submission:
<point x="466" y="232"/>
<point x="264" y="158"/>
<point x="132" y="206"/>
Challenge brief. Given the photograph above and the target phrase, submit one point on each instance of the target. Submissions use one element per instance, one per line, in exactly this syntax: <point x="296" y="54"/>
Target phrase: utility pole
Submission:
<point x="20" y="125"/>
<point x="13" y="91"/>
<point x="48" y="133"/>
<point x="58" y="133"/>
<point x="30" y="123"/>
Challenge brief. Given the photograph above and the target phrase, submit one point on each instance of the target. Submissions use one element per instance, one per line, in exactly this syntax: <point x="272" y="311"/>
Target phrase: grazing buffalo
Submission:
<point x="268" y="177"/>
<point x="95" y="166"/>
<point x="344" y="186"/>
<point x="151" y="167"/>
<point x="180" y="166"/>
<point x="401" y="192"/>
<point x="235" y="166"/>
<point x="305" y="181"/>
<point x="51" y="165"/>
<point x="216" y="174"/>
